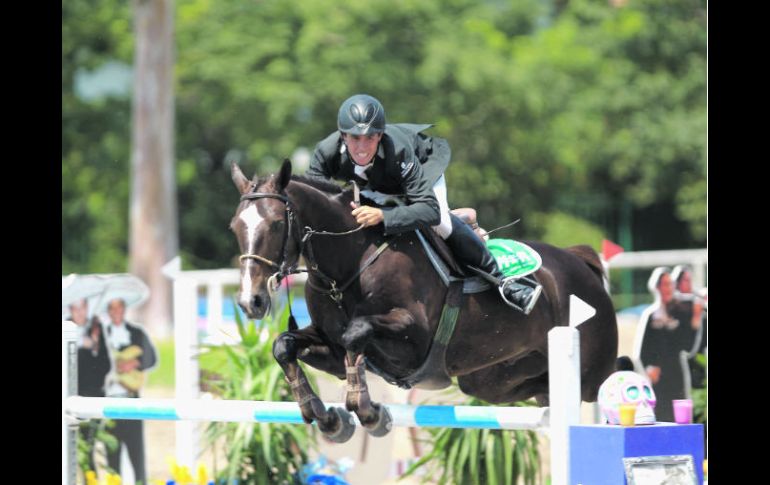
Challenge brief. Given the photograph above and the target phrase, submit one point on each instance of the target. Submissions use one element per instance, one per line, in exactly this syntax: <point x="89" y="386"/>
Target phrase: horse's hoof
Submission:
<point x="345" y="428"/>
<point x="383" y="425"/>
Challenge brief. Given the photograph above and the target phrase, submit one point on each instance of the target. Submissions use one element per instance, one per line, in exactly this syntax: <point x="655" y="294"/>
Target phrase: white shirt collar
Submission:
<point x="361" y="170"/>
<point x="118" y="335"/>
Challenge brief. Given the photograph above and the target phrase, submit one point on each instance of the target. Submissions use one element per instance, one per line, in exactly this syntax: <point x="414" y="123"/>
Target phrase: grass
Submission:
<point x="213" y="361"/>
<point x="162" y="376"/>
<point x="163" y="373"/>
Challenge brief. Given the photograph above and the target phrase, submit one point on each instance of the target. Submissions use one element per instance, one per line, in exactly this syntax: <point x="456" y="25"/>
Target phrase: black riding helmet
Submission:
<point x="361" y="114"/>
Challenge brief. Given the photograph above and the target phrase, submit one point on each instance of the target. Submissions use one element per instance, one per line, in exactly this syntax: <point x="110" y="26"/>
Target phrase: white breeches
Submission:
<point x="444" y="228"/>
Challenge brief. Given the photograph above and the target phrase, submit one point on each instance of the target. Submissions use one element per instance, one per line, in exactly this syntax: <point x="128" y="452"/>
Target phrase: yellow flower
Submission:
<point x="202" y="474"/>
<point x="177" y="473"/>
<point x="172" y="466"/>
<point x="91" y="478"/>
<point x="113" y="479"/>
<point x="186" y="478"/>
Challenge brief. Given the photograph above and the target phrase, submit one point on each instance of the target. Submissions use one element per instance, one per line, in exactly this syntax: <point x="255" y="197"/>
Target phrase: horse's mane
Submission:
<point x="330" y="188"/>
<point x="323" y="185"/>
<point x="318" y="183"/>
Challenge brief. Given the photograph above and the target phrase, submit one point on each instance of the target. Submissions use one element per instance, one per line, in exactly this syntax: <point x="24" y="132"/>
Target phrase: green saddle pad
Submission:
<point x="514" y="258"/>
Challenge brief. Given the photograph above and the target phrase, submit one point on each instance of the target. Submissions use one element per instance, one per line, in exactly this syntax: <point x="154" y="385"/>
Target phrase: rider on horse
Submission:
<point x="400" y="159"/>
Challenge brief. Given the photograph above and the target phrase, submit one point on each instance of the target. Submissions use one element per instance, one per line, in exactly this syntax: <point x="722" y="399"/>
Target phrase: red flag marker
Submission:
<point x="610" y="249"/>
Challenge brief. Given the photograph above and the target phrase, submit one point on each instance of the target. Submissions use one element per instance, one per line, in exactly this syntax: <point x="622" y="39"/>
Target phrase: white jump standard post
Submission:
<point x="69" y="387"/>
<point x="186" y="365"/>
<point x="564" y="389"/>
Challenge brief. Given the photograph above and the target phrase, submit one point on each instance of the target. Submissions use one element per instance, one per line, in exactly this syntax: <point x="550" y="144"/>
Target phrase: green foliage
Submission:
<point x="563" y="230"/>
<point x="579" y="110"/>
<point x="95" y="140"/>
<point x="163" y="375"/>
<point x="480" y="456"/>
<point x="700" y="409"/>
<point x="256" y="453"/>
<point x="100" y="429"/>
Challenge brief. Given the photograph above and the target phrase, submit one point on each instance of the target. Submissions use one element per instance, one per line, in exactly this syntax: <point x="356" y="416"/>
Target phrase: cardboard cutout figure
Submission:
<point x="694" y="374"/>
<point x="667" y="329"/>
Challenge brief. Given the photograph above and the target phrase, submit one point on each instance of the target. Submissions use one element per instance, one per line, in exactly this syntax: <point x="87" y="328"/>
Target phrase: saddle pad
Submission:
<point x="514" y="258"/>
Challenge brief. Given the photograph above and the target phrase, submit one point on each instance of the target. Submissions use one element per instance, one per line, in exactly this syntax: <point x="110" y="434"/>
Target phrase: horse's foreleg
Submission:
<point x="373" y="416"/>
<point x="335" y="423"/>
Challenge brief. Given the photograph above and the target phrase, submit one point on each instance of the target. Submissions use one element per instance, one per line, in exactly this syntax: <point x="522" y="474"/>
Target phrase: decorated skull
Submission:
<point x="627" y="387"/>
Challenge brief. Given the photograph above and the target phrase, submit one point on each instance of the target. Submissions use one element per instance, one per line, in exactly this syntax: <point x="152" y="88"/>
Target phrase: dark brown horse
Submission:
<point x="389" y="312"/>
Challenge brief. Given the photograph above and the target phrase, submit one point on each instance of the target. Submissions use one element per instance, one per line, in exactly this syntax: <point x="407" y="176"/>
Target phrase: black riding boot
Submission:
<point x="471" y="251"/>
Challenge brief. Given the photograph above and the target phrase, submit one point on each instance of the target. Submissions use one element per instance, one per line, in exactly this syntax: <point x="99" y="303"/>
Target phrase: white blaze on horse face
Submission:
<point x="252" y="219"/>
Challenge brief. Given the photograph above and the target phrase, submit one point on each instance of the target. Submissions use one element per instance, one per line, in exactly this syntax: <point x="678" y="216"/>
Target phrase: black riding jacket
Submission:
<point x="407" y="163"/>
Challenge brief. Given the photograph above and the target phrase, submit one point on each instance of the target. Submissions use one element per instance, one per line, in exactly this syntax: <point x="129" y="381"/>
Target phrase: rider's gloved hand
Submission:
<point x="368" y="216"/>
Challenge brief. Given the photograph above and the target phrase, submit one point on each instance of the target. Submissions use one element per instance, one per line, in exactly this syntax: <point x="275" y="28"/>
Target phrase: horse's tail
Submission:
<point x="591" y="258"/>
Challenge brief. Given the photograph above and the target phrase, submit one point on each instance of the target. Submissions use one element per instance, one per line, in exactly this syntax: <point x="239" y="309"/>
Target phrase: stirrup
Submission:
<point x="536" y="288"/>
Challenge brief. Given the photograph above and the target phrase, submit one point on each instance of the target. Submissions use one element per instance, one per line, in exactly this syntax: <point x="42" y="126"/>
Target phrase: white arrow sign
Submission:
<point x="579" y="311"/>
<point x="172" y="268"/>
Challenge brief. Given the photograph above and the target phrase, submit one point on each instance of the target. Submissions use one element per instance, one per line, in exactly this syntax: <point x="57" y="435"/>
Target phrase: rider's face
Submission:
<point x="362" y="148"/>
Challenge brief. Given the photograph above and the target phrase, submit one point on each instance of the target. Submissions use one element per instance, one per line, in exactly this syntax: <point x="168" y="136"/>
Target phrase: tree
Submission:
<point x="153" y="237"/>
<point x="95" y="134"/>
<point x="590" y="111"/>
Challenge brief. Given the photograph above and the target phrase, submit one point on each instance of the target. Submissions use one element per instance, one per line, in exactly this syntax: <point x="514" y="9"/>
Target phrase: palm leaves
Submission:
<point x="256" y="453"/>
<point x="480" y="456"/>
<point x="98" y="428"/>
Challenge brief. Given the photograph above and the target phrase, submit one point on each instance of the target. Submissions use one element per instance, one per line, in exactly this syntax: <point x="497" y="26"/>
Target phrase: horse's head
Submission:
<point x="262" y="224"/>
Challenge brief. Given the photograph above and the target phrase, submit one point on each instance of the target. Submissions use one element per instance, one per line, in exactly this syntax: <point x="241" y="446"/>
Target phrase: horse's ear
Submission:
<point x="284" y="176"/>
<point x="240" y="180"/>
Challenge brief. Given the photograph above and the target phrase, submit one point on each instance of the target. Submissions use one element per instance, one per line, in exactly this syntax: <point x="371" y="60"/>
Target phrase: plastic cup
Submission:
<point x="682" y="411"/>
<point x="628" y="414"/>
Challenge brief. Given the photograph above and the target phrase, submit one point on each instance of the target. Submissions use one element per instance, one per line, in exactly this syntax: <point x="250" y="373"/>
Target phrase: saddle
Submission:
<point x="432" y="374"/>
<point x="514" y="258"/>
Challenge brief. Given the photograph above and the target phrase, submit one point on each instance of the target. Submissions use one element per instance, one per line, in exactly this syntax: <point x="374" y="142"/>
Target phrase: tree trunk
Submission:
<point x="153" y="234"/>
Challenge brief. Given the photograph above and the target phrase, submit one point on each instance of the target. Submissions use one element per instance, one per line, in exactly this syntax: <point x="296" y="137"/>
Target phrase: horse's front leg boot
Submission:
<point x="310" y="405"/>
<point x="383" y="424"/>
<point x="340" y="427"/>
<point x="357" y="393"/>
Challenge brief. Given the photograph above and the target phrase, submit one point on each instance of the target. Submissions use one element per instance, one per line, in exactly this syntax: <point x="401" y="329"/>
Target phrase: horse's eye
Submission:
<point x="276" y="225"/>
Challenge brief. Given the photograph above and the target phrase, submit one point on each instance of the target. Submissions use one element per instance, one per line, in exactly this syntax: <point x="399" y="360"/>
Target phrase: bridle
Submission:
<point x="284" y="268"/>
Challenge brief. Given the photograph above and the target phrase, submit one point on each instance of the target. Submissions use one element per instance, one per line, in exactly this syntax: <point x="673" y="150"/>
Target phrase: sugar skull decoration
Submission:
<point x="627" y="387"/>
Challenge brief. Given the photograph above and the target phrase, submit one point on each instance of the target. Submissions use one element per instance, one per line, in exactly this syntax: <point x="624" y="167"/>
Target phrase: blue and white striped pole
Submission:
<point x="216" y="410"/>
